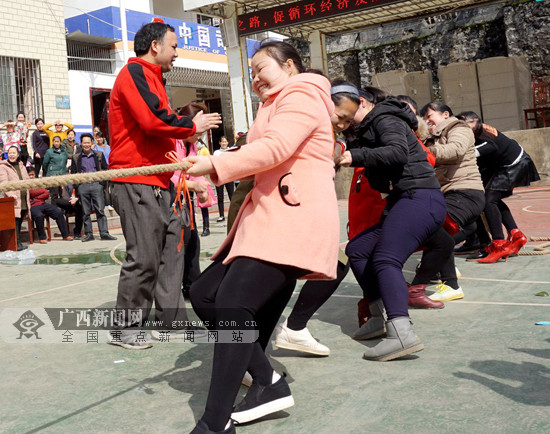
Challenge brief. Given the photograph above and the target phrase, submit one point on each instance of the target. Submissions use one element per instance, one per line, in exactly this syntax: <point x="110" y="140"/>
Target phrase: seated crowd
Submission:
<point x="51" y="152"/>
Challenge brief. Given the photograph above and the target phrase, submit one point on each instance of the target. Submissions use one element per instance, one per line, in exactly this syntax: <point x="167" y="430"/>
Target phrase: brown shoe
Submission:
<point x="419" y="299"/>
<point x="43" y="241"/>
<point x="69" y="238"/>
<point x="363" y="312"/>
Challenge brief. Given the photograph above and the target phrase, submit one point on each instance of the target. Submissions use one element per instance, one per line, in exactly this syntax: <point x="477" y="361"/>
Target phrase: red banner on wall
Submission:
<point x="301" y="12"/>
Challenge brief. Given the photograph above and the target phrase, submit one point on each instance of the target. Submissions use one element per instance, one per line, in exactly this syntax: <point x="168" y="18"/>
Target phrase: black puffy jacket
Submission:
<point x="387" y="148"/>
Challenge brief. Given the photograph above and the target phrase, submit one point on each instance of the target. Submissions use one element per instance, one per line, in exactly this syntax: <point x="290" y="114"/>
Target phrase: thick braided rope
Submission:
<point x="533" y="252"/>
<point x="81" y="178"/>
<point x="539" y="250"/>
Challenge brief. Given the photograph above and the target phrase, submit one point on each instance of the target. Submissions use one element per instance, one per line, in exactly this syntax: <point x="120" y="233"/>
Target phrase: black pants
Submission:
<point x="37" y="166"/>
<point x="312" y="296"/>
<point x="205" y="216"/>
<point x="230" y="187"/>
<point x="92" y="197"/>
<point x="497" y="213"/>
<point x="192" y="246"/>
<point x="66" y="206"/>
<point x="464" y="207"/>
<point x="18" y="223"/>
<point x="245" y="292"/>
<point x="438" y="257"/>
<point x="47" y="209"/>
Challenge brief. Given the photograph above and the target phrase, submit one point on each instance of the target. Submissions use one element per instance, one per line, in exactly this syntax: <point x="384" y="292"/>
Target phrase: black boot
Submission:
<point x="18" y="222"/>
<point x="205" y="229"/>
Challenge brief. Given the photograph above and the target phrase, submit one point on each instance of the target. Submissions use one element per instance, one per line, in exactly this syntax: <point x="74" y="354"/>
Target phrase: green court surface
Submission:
<point x="485" y="366"/>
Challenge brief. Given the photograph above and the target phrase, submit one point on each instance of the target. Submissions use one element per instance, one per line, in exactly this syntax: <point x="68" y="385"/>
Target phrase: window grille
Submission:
<point x="92" y="58"/>
<point x="197" y="78"/>
<point x="20" y="88"/>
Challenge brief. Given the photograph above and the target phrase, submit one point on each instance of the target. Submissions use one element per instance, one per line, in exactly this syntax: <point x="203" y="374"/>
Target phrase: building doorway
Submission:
<point x="100" y="109"/>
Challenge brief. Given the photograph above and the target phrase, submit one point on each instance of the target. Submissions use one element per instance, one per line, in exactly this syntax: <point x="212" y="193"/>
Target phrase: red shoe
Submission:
<point x="419" y="299"/>
<point x="363" y="312"/>
<point x="498" y="249"/>
<point x="517" y="240"/>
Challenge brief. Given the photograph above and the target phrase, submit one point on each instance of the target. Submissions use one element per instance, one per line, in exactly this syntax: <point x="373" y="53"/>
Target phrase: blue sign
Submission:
<point x="191" y="36"/>
<point x="62" y="102"/>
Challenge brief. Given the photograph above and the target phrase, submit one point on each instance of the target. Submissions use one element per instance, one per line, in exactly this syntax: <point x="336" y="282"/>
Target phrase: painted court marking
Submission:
<point x="457" y="302"/>
<point x="526" y="209"/>
<point x="81" y="282"/>
<point x="481" y="279"/>
<point x="112" y="253"/>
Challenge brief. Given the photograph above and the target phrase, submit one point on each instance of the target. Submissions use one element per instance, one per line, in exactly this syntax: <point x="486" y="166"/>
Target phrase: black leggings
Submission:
<point x="312" y="296"/>
<point x="247" y="290"/>
<point x="230" y="187"/>
<point x="497" y="213"/>
<point x="438" y="257"/>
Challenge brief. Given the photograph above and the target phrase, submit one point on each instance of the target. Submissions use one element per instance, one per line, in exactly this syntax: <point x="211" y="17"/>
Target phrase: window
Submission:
<point x="92" y="58"/>
<point x="20" y="88"/>
<point x="209" y="21"/>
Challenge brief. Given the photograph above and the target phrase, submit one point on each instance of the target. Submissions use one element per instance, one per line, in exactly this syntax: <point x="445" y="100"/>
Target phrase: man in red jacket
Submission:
<point x="143" y="128"/>
<point x="39" y="209"/>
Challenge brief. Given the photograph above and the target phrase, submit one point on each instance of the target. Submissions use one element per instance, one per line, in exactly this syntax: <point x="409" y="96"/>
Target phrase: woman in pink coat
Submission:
<point x="290" y="213"/>
<point x="13" y="169"/>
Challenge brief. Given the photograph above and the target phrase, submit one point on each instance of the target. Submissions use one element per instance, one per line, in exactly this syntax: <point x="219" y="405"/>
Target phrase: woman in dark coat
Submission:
<point x="503" y="165"/>
<point x="397" y="166"/>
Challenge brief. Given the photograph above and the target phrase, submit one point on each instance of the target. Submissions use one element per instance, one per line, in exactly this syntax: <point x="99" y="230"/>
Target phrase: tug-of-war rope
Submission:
<point x="539" y="250"/>
<point x="105" y="175"/>
<point x="81" y="178"/>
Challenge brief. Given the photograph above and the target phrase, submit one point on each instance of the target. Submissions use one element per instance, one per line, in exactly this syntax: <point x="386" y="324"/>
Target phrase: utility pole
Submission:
<point x="124" y="30"/>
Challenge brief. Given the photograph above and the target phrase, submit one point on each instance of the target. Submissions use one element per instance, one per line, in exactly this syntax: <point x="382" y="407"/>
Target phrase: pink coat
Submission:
<point x="8" y="173"/>
<point x="182" y="153"/>
<point x="291" y="215"/>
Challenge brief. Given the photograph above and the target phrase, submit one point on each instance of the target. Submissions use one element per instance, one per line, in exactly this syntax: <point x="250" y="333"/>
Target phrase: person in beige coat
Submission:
<point x="13" y="169"/>
<point x="453" y="144"/>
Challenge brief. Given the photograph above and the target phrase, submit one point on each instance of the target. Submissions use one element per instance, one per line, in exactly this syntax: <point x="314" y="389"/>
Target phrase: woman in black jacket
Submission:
<point x="40" y="144"/>
<point x="395" y="165"/>
<point x="503" y="165"/>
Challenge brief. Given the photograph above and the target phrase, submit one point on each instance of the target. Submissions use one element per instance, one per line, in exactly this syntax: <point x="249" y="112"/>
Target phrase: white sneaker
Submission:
<point x="446" y="293"/>
<point x="109" y="208"/>
<point x="299" y="340"/>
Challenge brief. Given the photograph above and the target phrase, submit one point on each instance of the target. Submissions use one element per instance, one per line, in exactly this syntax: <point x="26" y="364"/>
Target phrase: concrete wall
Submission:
<point x="39" y="33"/>
<point x="536" y="143"/>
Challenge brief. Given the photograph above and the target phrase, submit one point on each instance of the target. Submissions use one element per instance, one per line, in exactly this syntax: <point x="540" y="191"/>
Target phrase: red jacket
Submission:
<point x="142" y="126"/>
<point x="39" y="196"/>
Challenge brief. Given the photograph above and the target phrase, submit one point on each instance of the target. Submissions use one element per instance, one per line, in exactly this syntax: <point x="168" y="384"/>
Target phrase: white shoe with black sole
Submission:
<point x="263" y="400"/>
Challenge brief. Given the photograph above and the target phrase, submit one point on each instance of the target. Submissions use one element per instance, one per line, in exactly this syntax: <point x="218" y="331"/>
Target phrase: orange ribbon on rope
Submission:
<point x="182" y="186"/>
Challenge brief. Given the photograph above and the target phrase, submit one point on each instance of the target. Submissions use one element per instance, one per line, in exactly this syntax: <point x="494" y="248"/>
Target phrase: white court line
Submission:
<point x="59" y="287"/>
<point x="481" y="279"/>
<point x="113" y="257"/>
<point x="526" y="209"/>
<point x="112" y="253"/>
<point x="458" y="302"/>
